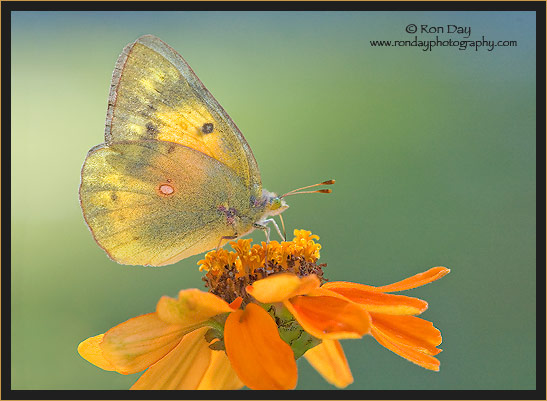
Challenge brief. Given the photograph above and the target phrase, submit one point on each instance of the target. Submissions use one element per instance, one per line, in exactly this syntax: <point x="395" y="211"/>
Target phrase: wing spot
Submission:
<point x="207" y="128"/>
<point x="166" y="189"/>
<point x="113" y="196"/>
<point x="151" y="130"/>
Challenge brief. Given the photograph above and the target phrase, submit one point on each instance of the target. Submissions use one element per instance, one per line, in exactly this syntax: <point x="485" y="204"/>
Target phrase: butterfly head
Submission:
<point x="274" y="204"/>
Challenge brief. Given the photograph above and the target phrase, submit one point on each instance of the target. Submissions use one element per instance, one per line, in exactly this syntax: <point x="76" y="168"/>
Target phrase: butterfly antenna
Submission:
<point x="319" y="191"/>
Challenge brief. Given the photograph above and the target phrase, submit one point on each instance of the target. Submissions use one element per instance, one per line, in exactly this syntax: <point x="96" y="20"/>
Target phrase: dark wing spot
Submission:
<point x="171" y="149"/>
<point x="151" y="130"/>
<point x="113" y="196"/>
<point x="207" y="128"/>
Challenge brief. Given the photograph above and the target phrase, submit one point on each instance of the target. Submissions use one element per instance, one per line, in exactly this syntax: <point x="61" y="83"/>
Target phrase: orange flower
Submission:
<point x="171" y="343"/>
<point x="393" y="325"/>
<point x="259" y="317"/>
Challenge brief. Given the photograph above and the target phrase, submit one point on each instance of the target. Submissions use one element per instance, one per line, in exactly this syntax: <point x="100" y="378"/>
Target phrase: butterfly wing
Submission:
<point x="155" y="95"/>
<point x="154" y="203"/>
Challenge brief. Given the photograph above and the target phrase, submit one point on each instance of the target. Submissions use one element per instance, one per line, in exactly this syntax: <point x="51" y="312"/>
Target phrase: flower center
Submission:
<point x="229" y="273"/>
<point x="229" y="284"/>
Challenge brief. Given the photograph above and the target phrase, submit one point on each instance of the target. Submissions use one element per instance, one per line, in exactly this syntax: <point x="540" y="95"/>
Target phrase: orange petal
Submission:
<point x="332" y="285"/>
<point x="280" y="287"/>
<point x="329" y="317"/>
<point x="258" y="355"/>
<point x="136" y="344"/>
<point x="380" y="302"/>
<point x="406" y="351"/>
<point x="220" y="375"/>
<point x="417" y="280"/>
<point x="329" y="360"/>
<point x="409" y="330"/>
<point x="236" y="303"/>
<point x="182" y="368"/>
<point x="192" y="307"/>
<point x="91" y="352"/>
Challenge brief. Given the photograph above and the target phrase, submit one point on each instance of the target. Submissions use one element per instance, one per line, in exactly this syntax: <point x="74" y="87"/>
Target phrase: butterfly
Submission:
<point x="175" y="176"/>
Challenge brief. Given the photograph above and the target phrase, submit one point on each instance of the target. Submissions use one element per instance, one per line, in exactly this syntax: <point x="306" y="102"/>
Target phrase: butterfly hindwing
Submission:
<point x="155" y="95"/>
<point x="155" y="202"/>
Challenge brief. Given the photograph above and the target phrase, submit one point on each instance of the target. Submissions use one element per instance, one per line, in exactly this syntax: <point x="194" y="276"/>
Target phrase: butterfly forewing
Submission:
<point x="155" y="95"/>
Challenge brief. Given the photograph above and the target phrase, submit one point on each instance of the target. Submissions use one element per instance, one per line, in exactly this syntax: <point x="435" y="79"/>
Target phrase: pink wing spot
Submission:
<point x="166" y="189"/>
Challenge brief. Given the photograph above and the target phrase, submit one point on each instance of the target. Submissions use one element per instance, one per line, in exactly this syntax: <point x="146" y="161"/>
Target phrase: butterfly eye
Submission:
<point x="207" y="128"/>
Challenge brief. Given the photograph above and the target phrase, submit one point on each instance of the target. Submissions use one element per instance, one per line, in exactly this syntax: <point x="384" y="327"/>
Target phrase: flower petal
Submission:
<point x="409" y="330"/>
<point x="182" y="368"/>
<point x="406" y="351"/>
<point x="279" y="287"/>
<point x="379" y="302"/>
<point x="332" y="285"/>
<point x="220" y="375"/>
<point x="329" y="317"/>
<point x="89" y="350"/>
<point x="136" y="344"/>
<point x="329" y="360"/>
<point x="417" y="280"/>
<point x="192" y="307"/>
<point x="258" y="355"/>
<point x="236" y="303"/>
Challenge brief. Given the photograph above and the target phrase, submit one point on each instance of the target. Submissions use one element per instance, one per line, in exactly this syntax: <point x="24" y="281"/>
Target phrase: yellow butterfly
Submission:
<point x="175" y="175"/>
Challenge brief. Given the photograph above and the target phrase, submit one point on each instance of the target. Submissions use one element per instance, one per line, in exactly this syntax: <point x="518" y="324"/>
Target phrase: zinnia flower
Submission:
<point x="265" y="308"/>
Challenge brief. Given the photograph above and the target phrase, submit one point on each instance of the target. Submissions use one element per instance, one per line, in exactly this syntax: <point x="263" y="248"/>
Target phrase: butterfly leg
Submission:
<point x="276" y="227"/>
<point x="266" y="230"/>
<point x="226" y="237"/>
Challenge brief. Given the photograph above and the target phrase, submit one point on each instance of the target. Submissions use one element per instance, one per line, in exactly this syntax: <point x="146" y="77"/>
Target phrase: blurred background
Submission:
<point x="433" y="153"/>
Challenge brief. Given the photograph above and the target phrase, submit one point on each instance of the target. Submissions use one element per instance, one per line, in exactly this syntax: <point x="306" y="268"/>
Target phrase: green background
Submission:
<point x="433" y="153"/>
